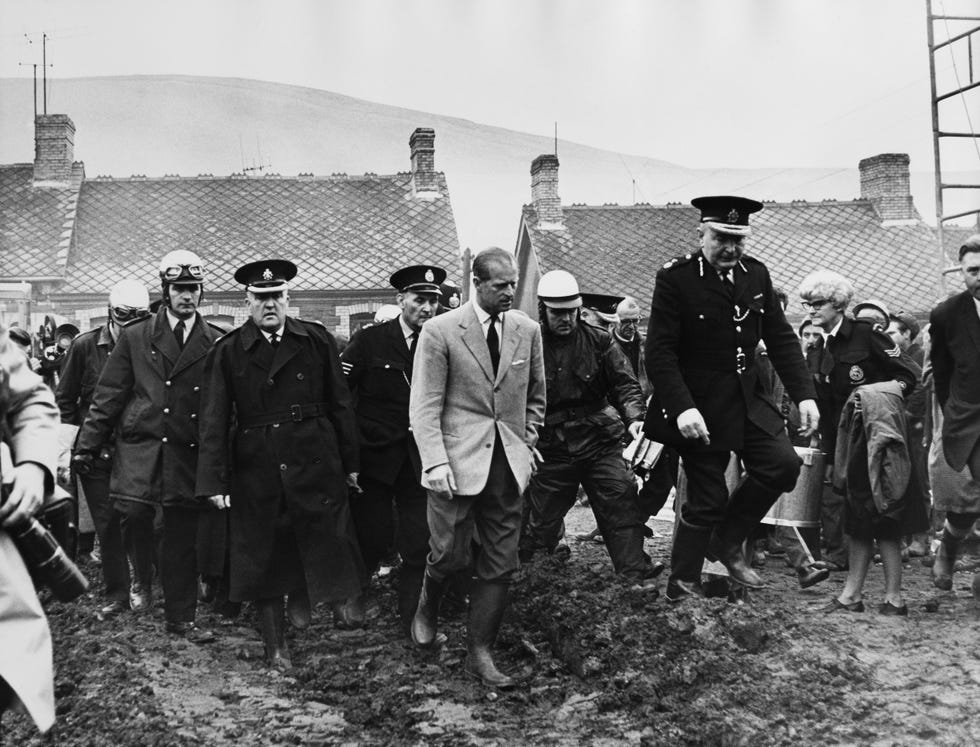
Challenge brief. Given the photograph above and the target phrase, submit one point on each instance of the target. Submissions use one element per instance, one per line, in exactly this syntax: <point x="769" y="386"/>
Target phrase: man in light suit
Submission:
<point x="477" y="401"/>
<point x="955" y="355"/>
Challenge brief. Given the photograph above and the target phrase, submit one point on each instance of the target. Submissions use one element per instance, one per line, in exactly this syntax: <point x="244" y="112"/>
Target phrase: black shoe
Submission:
<point x="836" y="605"/>
<point x="890" y="610"/>
<point x="829" y="565"/>
<point x="140" y="598"/>
<point x="190" y="631"/>
<point x="680" y="590"/>
<point x="810" y="576"/>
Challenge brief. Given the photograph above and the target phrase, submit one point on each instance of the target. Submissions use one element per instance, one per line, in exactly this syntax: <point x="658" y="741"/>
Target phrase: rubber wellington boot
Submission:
<point x="487" y="604"/>
<point x="686" y="561"/>
<point x="726" y="545"/>
<point x="272" y="620"/>
<point x="944" y="564"/>
<point x="424" y="628"/>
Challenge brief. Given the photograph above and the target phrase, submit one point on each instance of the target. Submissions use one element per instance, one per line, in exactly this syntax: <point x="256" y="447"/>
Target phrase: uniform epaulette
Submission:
<point x="678" y="261"/>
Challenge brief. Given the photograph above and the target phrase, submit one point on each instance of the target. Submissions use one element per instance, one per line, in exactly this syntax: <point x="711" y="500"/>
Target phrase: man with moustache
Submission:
<point x="279" y="450"/>
<point x="378" y="364"/>
<point x="146" y="402"/>
<point x="709" y="311"/>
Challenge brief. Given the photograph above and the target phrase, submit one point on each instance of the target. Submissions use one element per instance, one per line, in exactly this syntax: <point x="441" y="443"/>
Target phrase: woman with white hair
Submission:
<point x="858" y="353"/>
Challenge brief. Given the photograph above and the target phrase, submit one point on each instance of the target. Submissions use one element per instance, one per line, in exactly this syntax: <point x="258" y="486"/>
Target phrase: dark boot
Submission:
<point x="686" y="561"/>
<point x="350" y="614"/>
<point x="409" y="589"/>
<point x="726" y="545"/>
<point x="487" y="604"/>
<point x="271" y="613"/>
<point x="424" y="627"/>
<point x="298" y="609"/>
<point x="944" y="564"/>
<point x="625" y="548"/>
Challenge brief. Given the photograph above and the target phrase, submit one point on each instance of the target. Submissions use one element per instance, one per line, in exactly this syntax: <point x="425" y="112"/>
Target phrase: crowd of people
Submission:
<point x="269" y="465"/>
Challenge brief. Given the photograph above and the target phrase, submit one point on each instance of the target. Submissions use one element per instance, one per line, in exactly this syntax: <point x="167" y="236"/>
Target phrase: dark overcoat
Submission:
<point x="378" y="365"/>
<point x="149" y="395"/>
<point x="84" y="361"/>
<point x="701" y="348"/>
<point x="954" y="331"/>
<point x="279" y="437"/>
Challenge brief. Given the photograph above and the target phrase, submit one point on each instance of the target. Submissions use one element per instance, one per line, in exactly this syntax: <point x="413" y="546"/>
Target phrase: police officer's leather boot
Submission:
<point x="271" y="614"/>
<point x="424" y="629"/>
<point x="487" y="604"/>
<point x="726" y="545"/>
<point x="945" y="562"/>
<point x="686" y="561"/>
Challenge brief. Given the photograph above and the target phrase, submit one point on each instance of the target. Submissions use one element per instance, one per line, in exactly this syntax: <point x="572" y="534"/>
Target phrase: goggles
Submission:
<point x="183" y="272"/>
<point x="127" y="314"/>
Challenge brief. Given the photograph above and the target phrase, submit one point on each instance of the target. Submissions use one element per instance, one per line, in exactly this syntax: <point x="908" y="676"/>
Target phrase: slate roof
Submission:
<point x="35" y="223"/>
<point x="618" y="249"/>
<point x="343" y="232"/>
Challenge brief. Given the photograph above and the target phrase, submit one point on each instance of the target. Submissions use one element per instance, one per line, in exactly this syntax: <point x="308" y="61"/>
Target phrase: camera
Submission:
<point x="44" y="557"/>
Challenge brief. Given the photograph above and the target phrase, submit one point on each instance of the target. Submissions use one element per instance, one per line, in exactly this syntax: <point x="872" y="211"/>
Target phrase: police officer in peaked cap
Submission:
<point x="285" y="473"/>
<point x="710" y="309"/>
<point x="378" y="363"/>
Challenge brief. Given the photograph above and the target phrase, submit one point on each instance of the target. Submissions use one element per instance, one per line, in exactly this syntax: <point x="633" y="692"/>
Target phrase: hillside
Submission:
<point x="157" y="125"/>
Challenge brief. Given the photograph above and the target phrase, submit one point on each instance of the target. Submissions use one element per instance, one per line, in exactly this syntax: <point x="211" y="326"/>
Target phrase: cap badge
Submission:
<point x="454" y="301"/>
<point x="429" y="276"/>
<point x="267" y="274"/>
<point x="733" y="216"/>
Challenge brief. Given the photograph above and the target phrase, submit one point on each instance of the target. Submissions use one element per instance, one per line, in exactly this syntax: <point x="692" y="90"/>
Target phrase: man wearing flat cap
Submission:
<point x="709" y="311"/>
<point x="279" y="449"/>
<point x="378" y="364"/>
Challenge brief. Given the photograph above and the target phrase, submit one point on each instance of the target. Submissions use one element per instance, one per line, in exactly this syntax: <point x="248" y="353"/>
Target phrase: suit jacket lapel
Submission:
<point x="288" y="346"/>
<point x="195" y="347"/>
<point x="474" y="339"/>
<point x="397" y="342"/>
<point x="508" y="345"/>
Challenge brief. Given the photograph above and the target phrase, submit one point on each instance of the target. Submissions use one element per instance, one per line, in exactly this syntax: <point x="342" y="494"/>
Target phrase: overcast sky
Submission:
<point x="704" y="83"/>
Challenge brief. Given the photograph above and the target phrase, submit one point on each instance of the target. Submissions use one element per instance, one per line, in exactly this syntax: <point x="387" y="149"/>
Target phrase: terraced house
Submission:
<point x="70" y="238"/>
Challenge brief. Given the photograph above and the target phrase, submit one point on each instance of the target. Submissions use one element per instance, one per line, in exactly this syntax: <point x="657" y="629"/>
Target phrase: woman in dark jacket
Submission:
<point x="857" y="353"/>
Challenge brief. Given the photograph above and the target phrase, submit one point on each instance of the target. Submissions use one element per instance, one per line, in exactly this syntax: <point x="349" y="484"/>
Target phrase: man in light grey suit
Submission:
<point x="478" y="399"/>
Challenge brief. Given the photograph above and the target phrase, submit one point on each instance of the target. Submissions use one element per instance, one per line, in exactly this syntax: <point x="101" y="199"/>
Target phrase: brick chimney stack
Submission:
<point x="544" y="191"/>
<point x="885" y="182"/>
<point x="54" y="149"/>
<point x="423" y="146"/>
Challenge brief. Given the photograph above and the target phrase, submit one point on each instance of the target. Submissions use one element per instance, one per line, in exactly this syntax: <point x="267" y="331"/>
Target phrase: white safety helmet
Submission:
<point x="558" y="289"/>
<point x="386" y="312"/>
<point x="181" y="266"/>
<point x="128" y="301"/>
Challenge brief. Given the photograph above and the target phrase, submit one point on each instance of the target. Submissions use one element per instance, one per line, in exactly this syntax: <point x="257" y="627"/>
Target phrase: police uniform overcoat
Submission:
<point x="149" y="394"/>
<point x="378" y="364"/>
<point x="859" y="353"/>
<point x="279" y="437"/>
<point x="701" y="347"/>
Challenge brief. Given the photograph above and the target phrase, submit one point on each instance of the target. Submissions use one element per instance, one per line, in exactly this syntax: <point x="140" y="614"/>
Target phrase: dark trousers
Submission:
<point x="494" y="515"/>
<point x="832" y="526"/>
<point x="610" y="486"/>
<point x="771" y="464"/>
<point x="178" y="555"/>
<point x="658" y="484"/>
<point x="115" y="568"/>
<point x="392" y="515"/>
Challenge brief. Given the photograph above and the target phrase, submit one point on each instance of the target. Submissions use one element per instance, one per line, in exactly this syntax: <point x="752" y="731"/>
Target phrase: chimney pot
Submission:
<point x="885" y="183"/>
<point x="54" y="148"/>
<point x="422" y="144"/>
<point x="544" y="191"/>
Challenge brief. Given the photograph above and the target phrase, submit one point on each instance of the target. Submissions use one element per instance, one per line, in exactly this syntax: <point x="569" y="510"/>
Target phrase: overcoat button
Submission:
<point x="166" y="410"/>
<point x="270" y="382"/>
<point x="738" y="329"/>
<point x="275" y="425"/>
<point x="197" y="389"/>
<point x="164" y="439"/>
<point x="282" y="467"/>
<point x="486" y="446"/>
<point x="193" y="416"/>
<point x="300" y="377"/>
<point x="167" y="382"/>
<point x="193" y="446"/>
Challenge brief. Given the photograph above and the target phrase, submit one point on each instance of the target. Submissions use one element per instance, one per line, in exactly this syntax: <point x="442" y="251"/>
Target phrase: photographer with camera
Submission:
<point x="30" y="420"/>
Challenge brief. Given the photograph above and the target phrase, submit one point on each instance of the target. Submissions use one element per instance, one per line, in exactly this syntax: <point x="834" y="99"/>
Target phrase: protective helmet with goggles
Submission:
<point x="181" y="266"/>
<point x="128" y="301"/>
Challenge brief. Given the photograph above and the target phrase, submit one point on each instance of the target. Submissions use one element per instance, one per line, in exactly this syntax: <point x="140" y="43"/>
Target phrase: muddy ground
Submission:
<point x="600" y="665"/>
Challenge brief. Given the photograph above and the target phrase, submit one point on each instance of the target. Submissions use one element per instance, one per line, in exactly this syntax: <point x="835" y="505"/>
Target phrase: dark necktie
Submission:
<point x="413" y="341"/>
<point x="493" y="342"/>
<point x="179" y="333"/>
<point x="274" y="339"/>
